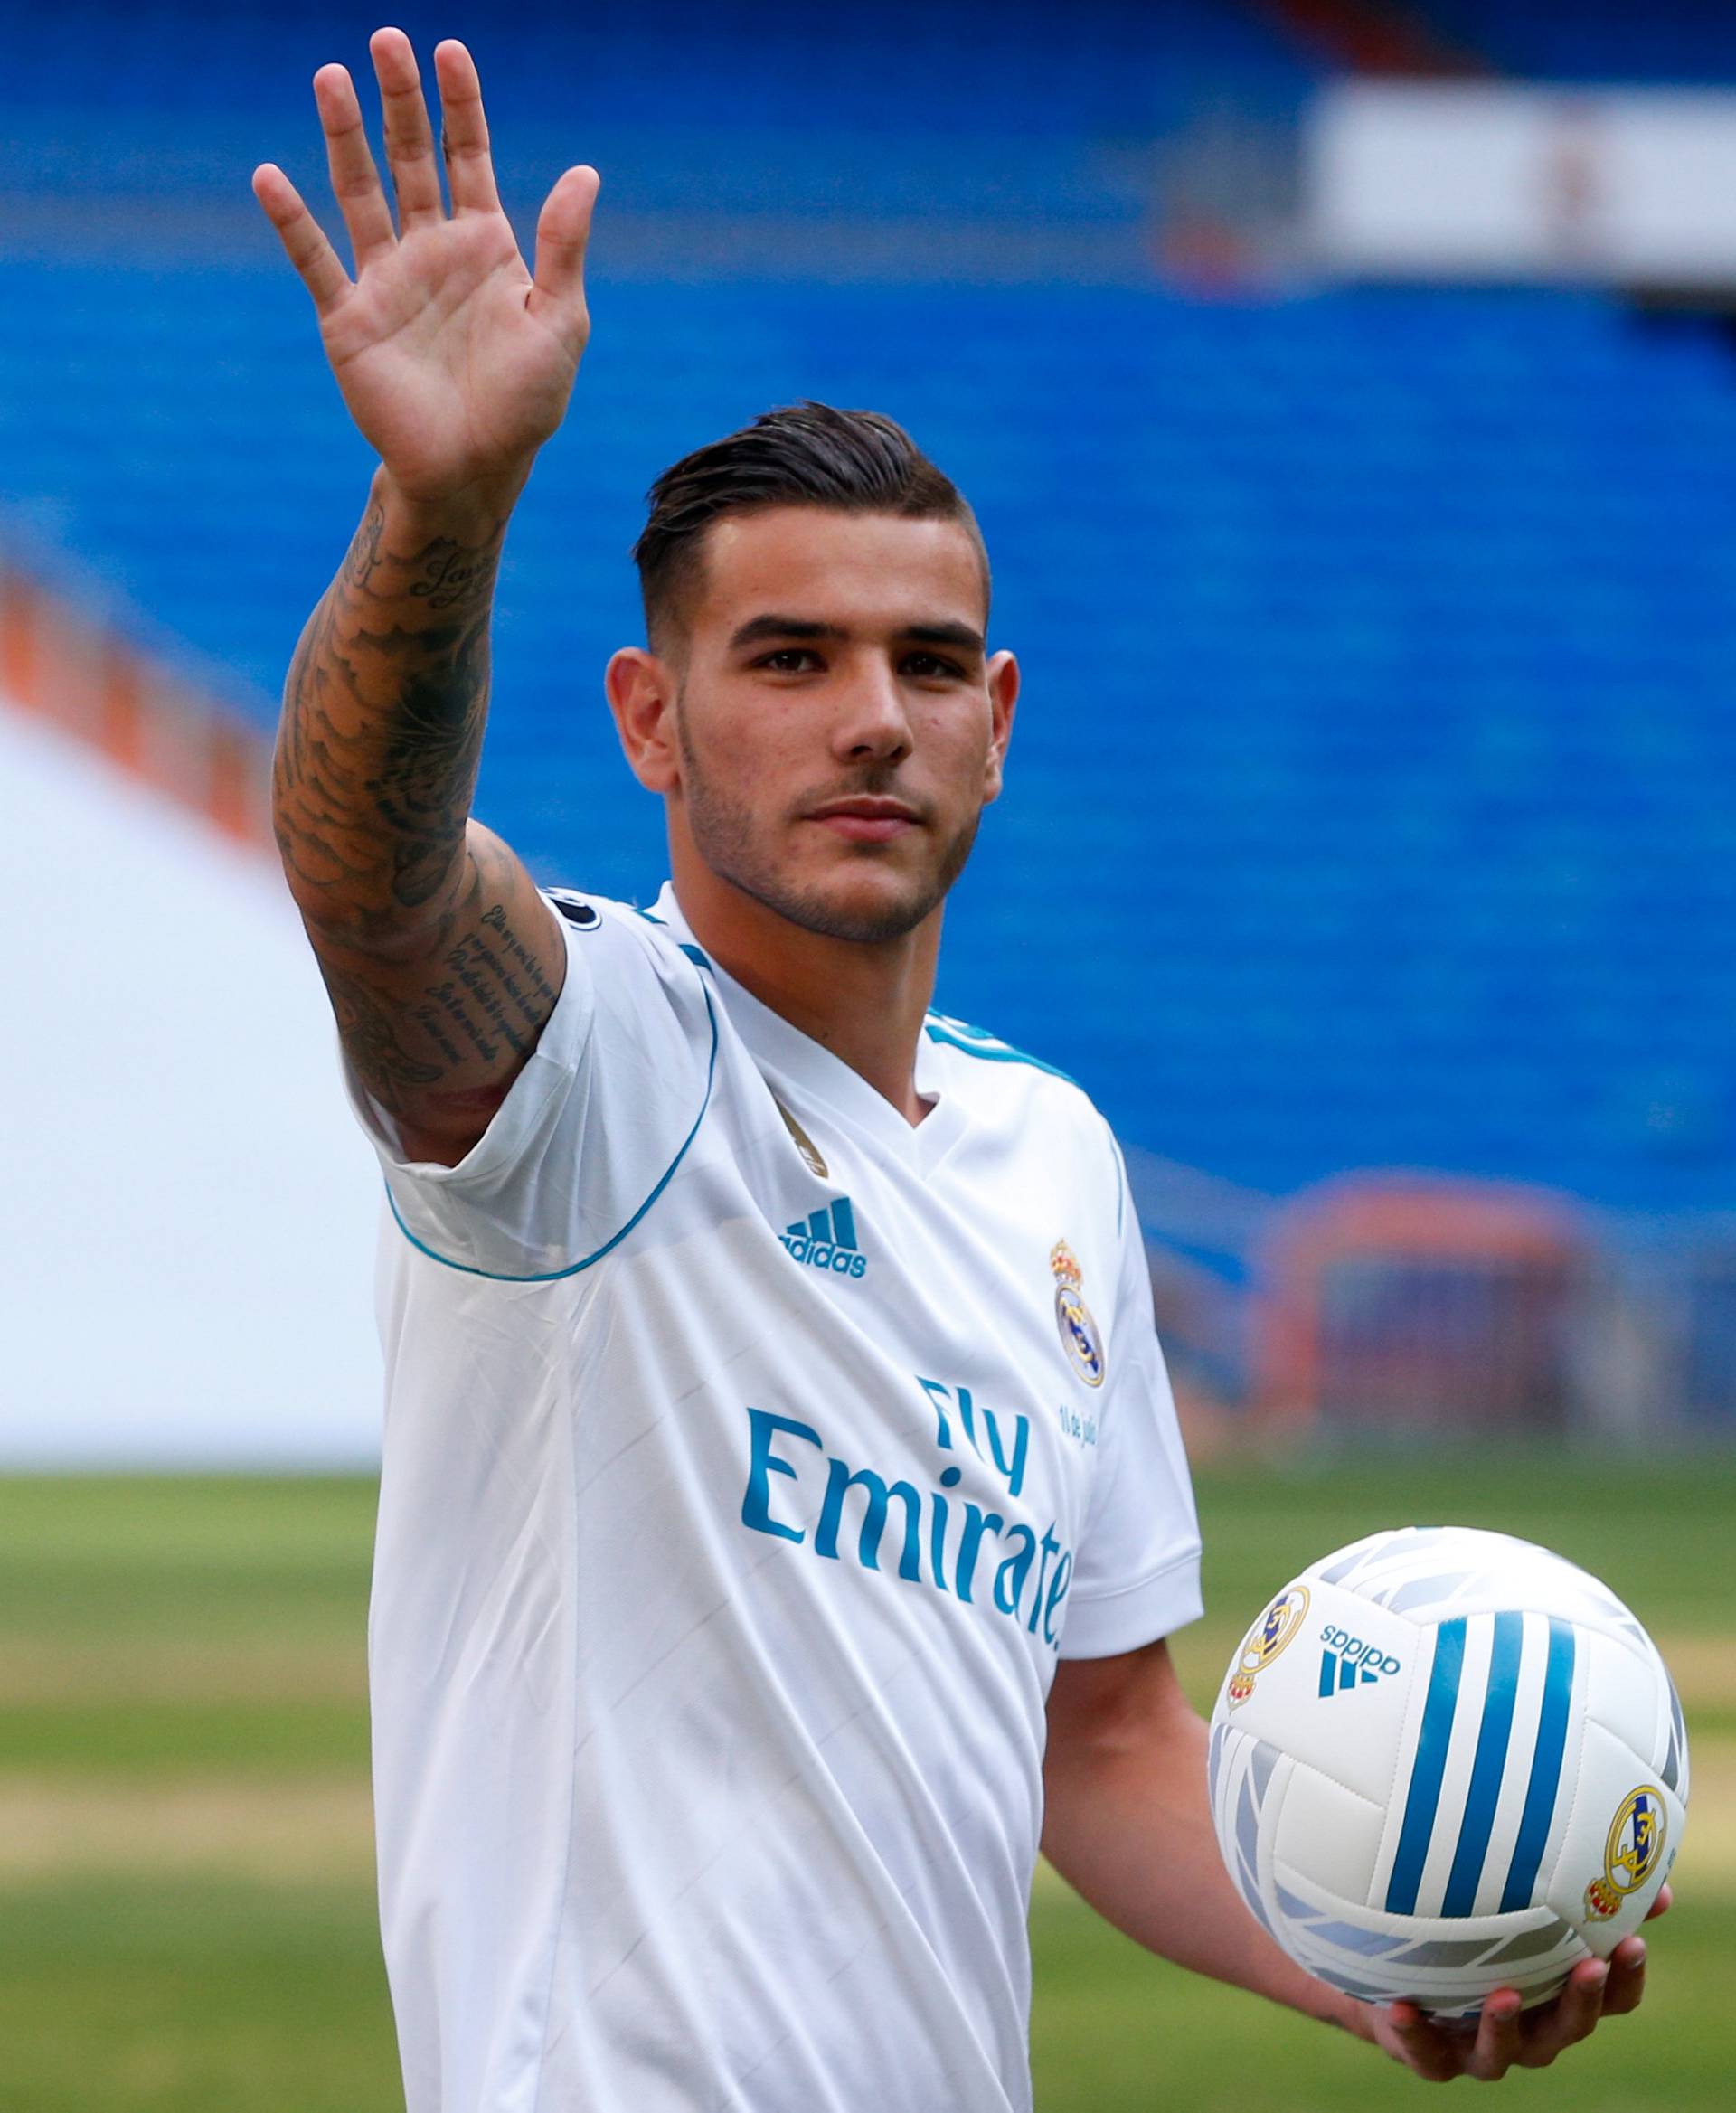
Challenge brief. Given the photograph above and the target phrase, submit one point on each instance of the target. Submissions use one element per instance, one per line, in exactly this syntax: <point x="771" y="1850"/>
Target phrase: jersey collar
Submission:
<point x="815" y="1070"/>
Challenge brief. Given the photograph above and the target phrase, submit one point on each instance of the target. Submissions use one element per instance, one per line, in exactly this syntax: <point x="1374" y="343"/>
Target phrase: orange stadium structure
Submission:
<point x="1408" y="1304"/>
<point x="86" y="678"/>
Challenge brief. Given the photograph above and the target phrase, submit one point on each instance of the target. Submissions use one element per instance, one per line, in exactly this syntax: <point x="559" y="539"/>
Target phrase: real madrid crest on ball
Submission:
<point x="1265" y="1640"/>
<point x="1079" y="1333"/>
<point x="1631" y="1853"/>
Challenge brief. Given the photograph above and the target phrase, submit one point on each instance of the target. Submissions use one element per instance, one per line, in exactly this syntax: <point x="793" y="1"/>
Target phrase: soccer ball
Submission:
<point x="1443" y="1762"/>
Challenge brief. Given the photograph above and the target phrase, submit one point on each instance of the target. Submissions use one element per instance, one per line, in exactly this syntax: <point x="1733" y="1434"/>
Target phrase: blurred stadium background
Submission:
<point x="1348" y="394"/>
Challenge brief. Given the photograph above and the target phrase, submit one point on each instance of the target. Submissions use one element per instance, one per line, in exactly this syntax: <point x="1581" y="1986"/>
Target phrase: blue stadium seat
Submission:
<point x="1685" y="41"/>
<point x="1372" y="799"/>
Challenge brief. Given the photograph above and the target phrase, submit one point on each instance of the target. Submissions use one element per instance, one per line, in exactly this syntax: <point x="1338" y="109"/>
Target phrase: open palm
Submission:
<point x="454" y="361"/>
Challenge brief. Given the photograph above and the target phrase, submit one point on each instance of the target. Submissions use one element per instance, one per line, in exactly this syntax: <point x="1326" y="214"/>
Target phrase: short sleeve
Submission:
<point x="1136" y="1570"/>
<point x="593" y="1126"/>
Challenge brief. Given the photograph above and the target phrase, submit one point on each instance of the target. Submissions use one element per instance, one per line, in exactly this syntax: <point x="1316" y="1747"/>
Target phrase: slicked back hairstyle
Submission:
<point x="802" y="455"/>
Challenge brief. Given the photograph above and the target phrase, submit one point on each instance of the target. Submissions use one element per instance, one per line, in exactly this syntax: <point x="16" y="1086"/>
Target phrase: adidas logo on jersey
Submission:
<point x="1347" y="1662"/>
<point x="827" y="1240"/>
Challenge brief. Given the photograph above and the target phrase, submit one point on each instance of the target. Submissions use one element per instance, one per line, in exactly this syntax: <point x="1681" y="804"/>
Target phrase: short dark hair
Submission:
<point x="801" y="455"/>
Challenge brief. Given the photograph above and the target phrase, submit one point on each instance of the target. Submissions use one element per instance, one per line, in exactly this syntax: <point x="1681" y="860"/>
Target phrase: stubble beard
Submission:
<point x="724" y="834"/>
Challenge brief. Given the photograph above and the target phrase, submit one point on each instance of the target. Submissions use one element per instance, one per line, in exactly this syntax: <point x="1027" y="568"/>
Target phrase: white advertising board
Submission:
<point x="186" y="1241"/>
<point x="1465" y="182"/>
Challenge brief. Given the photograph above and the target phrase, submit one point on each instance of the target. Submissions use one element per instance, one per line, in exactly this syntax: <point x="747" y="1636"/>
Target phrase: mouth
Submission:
<point x="867" y="818"/>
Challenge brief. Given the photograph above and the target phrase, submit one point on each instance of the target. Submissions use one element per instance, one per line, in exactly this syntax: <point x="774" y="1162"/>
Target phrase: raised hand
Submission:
<point x="454" y="361"/>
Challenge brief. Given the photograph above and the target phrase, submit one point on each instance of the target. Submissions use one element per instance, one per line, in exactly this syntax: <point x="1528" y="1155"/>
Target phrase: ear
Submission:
<point x="1002" y="679"/>
<point x="642" y="691"/>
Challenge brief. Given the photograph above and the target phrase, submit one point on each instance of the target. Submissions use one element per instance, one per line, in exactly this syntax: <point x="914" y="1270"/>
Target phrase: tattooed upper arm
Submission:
<point x="442" y="961"/>
<point x="438" y="1038"/>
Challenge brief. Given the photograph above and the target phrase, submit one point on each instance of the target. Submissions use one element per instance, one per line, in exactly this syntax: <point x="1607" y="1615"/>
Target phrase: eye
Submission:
<point x="929" y="668"/>
<point x="788" y="659"/>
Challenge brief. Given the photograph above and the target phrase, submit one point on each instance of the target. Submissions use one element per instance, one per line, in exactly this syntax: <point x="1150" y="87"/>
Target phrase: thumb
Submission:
<point x="563" y="230"/>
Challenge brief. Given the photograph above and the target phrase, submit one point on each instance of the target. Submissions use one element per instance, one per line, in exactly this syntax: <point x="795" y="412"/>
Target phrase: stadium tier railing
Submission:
<point x="1391" y="1308"/>
<point x="1404" y="1302"/>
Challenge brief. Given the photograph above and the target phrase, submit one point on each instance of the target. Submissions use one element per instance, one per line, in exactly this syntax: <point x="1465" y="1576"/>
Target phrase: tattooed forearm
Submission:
<point x="442" y="962"/>
<point x="364" y="553"/>
<point x="383" y="724"/>
<point x="424" y="787"/>
<point x="452" y="574"/>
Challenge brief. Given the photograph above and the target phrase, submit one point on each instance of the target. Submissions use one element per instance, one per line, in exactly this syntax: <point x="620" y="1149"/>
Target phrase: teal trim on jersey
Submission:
<point x="978" y="1043"/>
<point x="692" y="952"/>
<point x="573" y="1269"/>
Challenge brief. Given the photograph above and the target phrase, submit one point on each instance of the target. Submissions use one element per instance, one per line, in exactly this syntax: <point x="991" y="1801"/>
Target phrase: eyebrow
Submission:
<point x="961" y="637"/>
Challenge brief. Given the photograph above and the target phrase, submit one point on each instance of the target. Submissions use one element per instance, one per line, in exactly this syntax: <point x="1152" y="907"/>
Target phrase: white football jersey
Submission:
<point x="750" y="1455"/>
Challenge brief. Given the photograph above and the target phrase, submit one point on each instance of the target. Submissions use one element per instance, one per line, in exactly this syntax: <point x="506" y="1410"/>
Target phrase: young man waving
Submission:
<point x="782" y="1506"/>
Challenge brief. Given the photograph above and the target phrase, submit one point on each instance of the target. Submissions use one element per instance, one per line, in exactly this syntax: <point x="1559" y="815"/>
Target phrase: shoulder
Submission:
<point x="990" y="1072"/>
<point x="622" y="927"/>
<point x="989" y="1048"/>
<point x="600" y="914"/>
<point x="999" y="1080"/>
<point x="636" y="977"/>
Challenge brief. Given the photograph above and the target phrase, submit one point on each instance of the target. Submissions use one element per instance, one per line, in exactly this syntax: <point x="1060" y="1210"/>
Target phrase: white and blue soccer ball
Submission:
<point x="1443" y="1762"/>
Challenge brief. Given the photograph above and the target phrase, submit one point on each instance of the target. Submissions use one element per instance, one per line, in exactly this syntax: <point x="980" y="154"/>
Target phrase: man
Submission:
<point x="782" y="1506"/>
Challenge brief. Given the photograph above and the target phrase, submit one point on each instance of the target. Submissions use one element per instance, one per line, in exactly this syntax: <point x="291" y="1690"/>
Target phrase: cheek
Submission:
<point x="744" y="723"/>
<point x="749" y="756"/>
<point x="959" y="751"/>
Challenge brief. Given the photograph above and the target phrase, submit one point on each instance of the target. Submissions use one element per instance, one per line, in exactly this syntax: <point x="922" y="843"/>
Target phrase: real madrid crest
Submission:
<point x="1630" y="1853"/>
<point x="1265" y="1640"/>
<point x="1079" y="1332"/>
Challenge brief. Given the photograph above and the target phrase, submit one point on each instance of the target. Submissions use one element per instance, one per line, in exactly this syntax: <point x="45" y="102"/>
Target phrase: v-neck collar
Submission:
<point x="811" y="1068"/>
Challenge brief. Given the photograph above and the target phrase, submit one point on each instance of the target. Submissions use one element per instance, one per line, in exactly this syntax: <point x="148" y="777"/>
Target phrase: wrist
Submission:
<point x="1327" y="2006"/>
<point x="1346" y="2011"/>
<point x="471" y="512"/>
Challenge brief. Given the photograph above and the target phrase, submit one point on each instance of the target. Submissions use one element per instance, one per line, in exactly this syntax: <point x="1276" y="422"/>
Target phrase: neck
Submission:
<point x="863" y="1001"/>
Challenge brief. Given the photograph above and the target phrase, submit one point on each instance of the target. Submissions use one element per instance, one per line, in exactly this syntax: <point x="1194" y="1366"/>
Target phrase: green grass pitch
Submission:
<point x="185" y="1849"/>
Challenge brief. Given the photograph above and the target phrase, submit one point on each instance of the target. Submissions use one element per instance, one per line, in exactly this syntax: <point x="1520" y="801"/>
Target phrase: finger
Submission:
<point x="301" y="236"/>
<point x="1421" y="2046"/>
<point x="562" y="232"/>
<point x="1661" y="1905"/>
<point x="1569" y="2018"/>
<point x="409" y="138"/>
<point x="1497" y="2045"/>
<point x="463" y="130"/>
<point x="1626" y="1985"/>
<point x="355" y="182"/>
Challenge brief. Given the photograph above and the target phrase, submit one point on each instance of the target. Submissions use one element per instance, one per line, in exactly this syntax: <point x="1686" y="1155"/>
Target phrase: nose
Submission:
<point x="873" y="724"/>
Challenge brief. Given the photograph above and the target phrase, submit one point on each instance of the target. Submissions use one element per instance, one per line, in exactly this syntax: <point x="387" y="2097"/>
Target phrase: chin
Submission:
<point x="865" y="906"/>
<point x="873" y="911"/>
